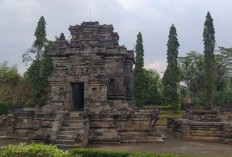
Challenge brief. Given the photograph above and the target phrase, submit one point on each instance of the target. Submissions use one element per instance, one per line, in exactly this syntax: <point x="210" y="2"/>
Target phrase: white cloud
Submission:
<point x="22" y="68"/>
<point x="143" y="7"/>
<point x="132" y="5"/>
<point x="158" y="65"/>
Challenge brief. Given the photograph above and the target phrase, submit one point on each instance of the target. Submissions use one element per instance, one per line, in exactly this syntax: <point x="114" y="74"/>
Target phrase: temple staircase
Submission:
<point x="73" y="132"/>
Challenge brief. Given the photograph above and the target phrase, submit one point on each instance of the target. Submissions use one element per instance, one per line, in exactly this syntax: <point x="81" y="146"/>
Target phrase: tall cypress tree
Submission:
<point x="209" y="60"/>
<point x="40" y="34"/>
<point x="140" y="85"/>
<point x="40" y="68"/>
<point x="171" y="75"/>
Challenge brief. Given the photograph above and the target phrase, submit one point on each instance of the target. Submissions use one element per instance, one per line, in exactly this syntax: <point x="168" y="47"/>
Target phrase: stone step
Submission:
<point x="141" y="138"/>
<point x="6" y="137"/>
<point x="74" y="118"/>
<point x="137" y="133"/>
<point x="65" y="137"/>
<point x="70" y="128"/>
<point x="143" y="141"/>
<point x="74" y="121"/>
<point x="103" y="142"/>
<point x="227" y="140"/>
<point x="75" y="114"/>
<point x="2" y="133"/>
<point x="67" y="142"/>
<point x="65" y="146"/>
<point x="5" y="133"/>
<point x="69" y="146"/>
<point x="68" y="132"/>
<point x="71" y="124"/>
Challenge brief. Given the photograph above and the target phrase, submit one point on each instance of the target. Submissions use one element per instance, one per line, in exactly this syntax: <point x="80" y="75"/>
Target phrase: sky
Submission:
<point x="153" y="18"/>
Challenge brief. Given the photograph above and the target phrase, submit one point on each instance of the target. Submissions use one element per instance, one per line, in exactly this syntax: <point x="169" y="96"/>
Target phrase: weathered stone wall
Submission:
<point x="203" y="125"/>
<point x="118" y="125"/>
<point x="31" y="124"/>
<point x="226" y="116"/>
<point x="6" y="125"/>
<point x="93" y="57"/>
<point x="122" y="125"/>
<point x="203" y="116"/>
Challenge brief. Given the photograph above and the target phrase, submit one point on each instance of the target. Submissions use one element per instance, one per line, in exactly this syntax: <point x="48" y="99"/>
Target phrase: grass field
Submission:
<point x="166" y="114"/>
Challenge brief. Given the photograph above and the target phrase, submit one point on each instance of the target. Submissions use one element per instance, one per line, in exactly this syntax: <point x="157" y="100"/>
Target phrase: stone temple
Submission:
<point x="91" y="95"/>
<point x="92" y="71"/>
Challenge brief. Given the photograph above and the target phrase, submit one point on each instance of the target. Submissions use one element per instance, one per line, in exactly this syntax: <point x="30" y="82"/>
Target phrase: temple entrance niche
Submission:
<point x="78" y="95"/>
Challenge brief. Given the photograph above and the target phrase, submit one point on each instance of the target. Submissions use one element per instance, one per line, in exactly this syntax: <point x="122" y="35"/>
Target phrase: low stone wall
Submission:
<point x="117" y="125"/>
<point x="226" y="116"/>
<point x="205" y="131"/>
<point x="203" y="115"/>
<point x="208" y="116"/>
<point x="6" y="125"/>
<point x="122" y="126"/>
<point x="31" y="124"/>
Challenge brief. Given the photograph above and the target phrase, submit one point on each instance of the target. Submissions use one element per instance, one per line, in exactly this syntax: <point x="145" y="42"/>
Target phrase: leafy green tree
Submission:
<point x="210" y="63"/>
<point x="34" y="79"/>
<point x="171" y="75"/>
<point x="140" y="85"/>
<point x="9" y="78"/>
<point x="223" y="79"/>
<point x="226" y="54"/>
<point x="155" y="89"/>
<point x="223" y="93"/>
<point x="9" y="75"/>
<point x="41" y="66"/>
<point x="224" y="68"/>
<point x="191" y="73"/>
<point x="13" y="89"/>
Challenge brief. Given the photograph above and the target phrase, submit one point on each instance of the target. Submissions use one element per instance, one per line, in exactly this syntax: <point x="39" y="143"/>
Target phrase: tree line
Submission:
<point x="207" y="77"/>
<point x="31" y="89"/>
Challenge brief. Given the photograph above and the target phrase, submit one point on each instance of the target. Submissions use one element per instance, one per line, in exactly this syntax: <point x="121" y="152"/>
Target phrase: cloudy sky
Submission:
<point x="18" y="20"/>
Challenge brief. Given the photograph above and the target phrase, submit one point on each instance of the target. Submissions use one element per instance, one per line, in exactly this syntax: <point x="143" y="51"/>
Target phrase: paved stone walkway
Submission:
<point x="171" y="145"/>
<point x="174" y="145"/>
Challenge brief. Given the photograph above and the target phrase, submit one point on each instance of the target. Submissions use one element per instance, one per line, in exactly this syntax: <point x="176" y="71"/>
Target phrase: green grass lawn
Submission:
<point x="166" y="114"/>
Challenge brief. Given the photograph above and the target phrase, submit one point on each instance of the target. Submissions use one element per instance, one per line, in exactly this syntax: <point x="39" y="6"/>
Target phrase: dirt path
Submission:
<point x="174" y="145"/>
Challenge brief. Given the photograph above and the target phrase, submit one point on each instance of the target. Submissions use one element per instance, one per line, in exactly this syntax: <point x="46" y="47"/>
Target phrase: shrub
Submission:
<point x="41" y="150"/>
<point x="32" y="150"/>
<point x="77" y="152"/>
<point x="164" y="108"/>
<point x="97" y="153"/>
<point x="3" y="109"/>
<point x="223" y="98"/>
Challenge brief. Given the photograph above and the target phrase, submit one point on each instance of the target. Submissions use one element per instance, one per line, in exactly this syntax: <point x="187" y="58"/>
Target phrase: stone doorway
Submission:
<point x="78" y="95"/>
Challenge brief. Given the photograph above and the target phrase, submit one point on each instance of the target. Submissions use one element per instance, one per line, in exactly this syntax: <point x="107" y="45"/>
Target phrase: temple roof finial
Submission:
<point x="62" y="37"/>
